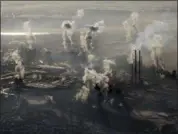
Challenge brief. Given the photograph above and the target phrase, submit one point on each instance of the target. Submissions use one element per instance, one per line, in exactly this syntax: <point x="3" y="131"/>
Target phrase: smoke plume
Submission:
<point x="20" y="69"/>
<point x="83" y="94"/>
<point x="145" y="38"/>
<point x="68" y="28"/>
<point x="80" y="13"/>
<point x="107" y="66"/>
<point x="83" y="43"/>
<point x="30" y="38"/>
<point x="100" y="25"/>
<point x="130" y="25"/>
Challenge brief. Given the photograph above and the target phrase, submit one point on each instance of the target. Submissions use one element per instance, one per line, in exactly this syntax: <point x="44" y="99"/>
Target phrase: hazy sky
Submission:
<point x="41" y="7"/>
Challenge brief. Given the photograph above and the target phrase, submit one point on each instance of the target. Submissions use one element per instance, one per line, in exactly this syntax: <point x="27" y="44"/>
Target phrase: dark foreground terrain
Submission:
<point x="146" y="109"/>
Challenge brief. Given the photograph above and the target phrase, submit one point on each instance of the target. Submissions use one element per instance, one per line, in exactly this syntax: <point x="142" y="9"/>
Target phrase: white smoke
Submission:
<point x="89" y="75"/>
<point x="27" y="27"/>
<point x="83" y="42"/>
<point x="80" y="13"/>
<point x="89" y="39"/>
<point x="90" y="78"/>
<point x="131" y="56"/>
<point x="68" y="28"/>
<point x="100" y="25"/>
<point x="97" y="27"/>
<point x="134" y="17"/>
<point x="83" y="94"/>
<point x="93" y="31"/>
<point x="130" y="25"/>
<point x="30" y="38"/>
<point x="128" y="30"/>
<point x="107" y="66"/>
<point x="157" y="50"/>
<point x="157" y="27"/>
<point x="95" y="78"/>
<point x="20" y="69"/>
<point x="152" y="39"/>
<point x="13" y="16"/>
<point x="13" y="56"/>
<point x="78" y="17"/>
<point x="16" y="56"/>
<point x="91" y="59"/>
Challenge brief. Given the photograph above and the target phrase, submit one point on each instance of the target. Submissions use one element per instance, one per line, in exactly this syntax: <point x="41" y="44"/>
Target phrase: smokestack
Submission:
<point x="132" y="73"/>
<point x="135" y="69"/>
<point x="139" y="65"/>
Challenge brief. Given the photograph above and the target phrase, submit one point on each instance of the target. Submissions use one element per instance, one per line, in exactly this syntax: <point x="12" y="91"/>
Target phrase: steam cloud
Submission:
<point x="83" y="43"/>
<point x="100" y="25"/>
<point x="30" y="38"/>
<point x="107" y="66"/>
<point x="80" y="13"/>
<point x="151" y="38"/>
<point x="91" y="59"/>
<point x="20" y="70"/>
<point x="83" y="94"/>
<point x="68" y="28"/>
<point x="90" y="78"/>
<point x="131" y="24"/>
<point x="93" y="30"/>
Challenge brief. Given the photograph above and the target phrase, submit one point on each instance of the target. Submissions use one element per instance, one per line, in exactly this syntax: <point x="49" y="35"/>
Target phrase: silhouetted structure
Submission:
<point x="136" y="68"/>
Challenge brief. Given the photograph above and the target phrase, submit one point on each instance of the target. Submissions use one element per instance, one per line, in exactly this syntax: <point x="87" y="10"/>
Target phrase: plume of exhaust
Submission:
<point x="91" y="59"/>
<point x="15" y="56"/>
<point x="145" y="38"/>
<point x="100" y="25"/>
<point x="134" y="17"/>
<point x="12" y="56"/>
<point x="83" y="94"/>
<point x="157" y="27"/>
<point x="78" y="17"/>
<point x="80" y="13"/>
<point x="156" y="51"/>
<point x="89" y="39"/>
<point x="30" y="38"/>
<point x="93" y="30"/>
<point x="131" y="24"/>
<point x="107" y="66"/>
<point x="102" y="79"/>
<point x="151" y="37"/>
<point x="91" y="77"/>
<point x="97" y="27"/>
<point x="131" y="56"/>
<point x="128" y="30"/>
<point x="20" y="70"/>
<point x="83" y="43"/>
<point x="68" y="28"/>
<point x="27" y="27"/>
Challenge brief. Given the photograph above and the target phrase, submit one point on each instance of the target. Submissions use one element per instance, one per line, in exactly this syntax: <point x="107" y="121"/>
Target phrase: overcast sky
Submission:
<point x="42" y="7"/>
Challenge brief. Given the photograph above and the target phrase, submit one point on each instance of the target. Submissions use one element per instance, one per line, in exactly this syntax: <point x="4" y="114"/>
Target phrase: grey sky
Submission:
<point x="41" y="7"/>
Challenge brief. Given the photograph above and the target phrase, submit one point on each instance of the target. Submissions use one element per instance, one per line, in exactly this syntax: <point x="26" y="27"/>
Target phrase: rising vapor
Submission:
<point x="30" y="38"/>
<point x="80" y="13"/>
<point x="151" y="38"/>
<point x="130" y="25"/>
<point x="68" y="28"/>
